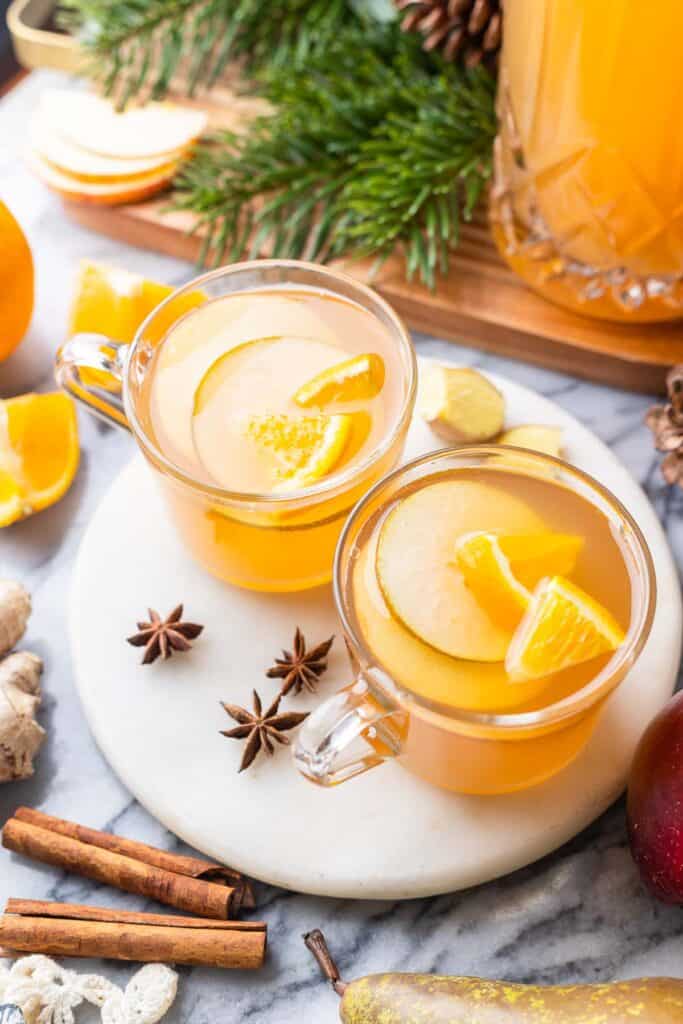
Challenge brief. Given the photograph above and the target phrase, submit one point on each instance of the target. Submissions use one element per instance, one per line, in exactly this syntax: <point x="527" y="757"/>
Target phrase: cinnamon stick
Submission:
<point x="193" y="895"/>
<point x="180" y="864"/>
<point x="64" y="929"/>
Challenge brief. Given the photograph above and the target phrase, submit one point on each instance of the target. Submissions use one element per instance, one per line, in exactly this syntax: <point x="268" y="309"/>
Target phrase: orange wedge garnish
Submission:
<point x="38" y="453"/>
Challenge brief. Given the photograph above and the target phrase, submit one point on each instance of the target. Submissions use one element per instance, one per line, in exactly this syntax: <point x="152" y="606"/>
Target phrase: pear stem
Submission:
<point x="315" y="942"/>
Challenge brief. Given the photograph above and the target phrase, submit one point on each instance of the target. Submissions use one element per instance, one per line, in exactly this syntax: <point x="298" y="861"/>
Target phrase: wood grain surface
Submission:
<point x="481" y="302"/>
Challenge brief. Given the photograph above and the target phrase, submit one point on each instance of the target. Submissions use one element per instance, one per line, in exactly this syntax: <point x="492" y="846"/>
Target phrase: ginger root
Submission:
<point x="20" y="735"/>
<point x="460" y="405"/>
<point x="15" y="608"/>
<point x="544" y="439"/>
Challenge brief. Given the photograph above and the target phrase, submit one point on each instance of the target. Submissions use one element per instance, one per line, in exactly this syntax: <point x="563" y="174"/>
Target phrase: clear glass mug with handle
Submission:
<point x="273" y="542"/>
<point x="385" y="712"/>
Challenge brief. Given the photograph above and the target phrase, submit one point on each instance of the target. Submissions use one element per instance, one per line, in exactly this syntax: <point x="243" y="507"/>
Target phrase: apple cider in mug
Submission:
<point x="280" y="401"/>
<point x="482" y="592"/>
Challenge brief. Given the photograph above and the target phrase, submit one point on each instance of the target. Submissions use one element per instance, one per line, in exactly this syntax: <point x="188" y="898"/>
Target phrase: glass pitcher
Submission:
<point x="587" y="202"/>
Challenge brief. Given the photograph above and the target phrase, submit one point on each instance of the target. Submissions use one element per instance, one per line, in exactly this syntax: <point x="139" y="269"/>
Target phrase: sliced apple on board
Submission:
<point x="98" y="193"/>
<point x="94" y="124"/>
<point x="88" y="152"/>
<point x="83" y="165"/>
<point x="415" y="571"/>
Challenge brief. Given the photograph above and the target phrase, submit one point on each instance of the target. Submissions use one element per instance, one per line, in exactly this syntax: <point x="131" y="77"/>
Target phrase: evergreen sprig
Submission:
<point x="372" y="145"/>
<point x="137" y="46"/>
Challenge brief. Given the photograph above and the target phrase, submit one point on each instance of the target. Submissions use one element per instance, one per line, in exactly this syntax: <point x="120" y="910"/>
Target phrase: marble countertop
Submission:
<point x="580" y="914"/>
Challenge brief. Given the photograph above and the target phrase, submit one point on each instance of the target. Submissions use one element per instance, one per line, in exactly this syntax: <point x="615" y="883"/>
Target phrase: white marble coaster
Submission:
<point x="384" y="835"/>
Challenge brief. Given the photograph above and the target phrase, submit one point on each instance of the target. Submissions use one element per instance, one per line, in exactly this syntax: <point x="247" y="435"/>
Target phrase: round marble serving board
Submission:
<point x="383" y="835"/>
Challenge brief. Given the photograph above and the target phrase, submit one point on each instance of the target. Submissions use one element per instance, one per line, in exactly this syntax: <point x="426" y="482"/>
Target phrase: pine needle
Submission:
<point x="136" y="47"/>
<point x="373" y="145"/>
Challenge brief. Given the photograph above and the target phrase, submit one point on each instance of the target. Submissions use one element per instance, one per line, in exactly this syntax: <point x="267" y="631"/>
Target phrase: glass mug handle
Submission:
<point x="90" y="368"/>
<point x="355" y="730"/>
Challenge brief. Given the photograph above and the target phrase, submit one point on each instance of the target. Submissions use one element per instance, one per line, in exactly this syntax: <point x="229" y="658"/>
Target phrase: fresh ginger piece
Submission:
<point x="21" y="737"/>
<point x="461" y="405"/>
<point x="15" y="608"/>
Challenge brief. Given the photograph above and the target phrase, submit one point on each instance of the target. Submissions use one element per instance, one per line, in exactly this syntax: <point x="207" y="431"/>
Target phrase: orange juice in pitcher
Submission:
<point x="587" y="203"/>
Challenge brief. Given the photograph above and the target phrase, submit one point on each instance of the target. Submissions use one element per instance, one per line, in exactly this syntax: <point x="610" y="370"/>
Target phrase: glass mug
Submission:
<point x="468" y="751"/>
<point x="273" y="542"/>
<point x="588" y="170"/>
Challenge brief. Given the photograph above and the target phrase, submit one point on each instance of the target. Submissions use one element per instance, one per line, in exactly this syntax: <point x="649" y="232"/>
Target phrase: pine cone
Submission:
<point x="469" y="30"/>
<point x="666" y="424"/>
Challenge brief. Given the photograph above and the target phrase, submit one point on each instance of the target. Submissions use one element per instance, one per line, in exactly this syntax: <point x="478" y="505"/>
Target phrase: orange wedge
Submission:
<point x="301" y="450"/>
<point x="112" y="301"/>
<point x="488" y="575"/>
<point x="352" y="380"/>
<point x="38" y="453"/>
<point x="532" y="556"/>
<point x="563" y="626"/>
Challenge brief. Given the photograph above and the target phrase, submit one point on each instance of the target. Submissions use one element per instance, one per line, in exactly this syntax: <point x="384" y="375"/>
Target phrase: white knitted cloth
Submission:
<point x="49" y="994"/>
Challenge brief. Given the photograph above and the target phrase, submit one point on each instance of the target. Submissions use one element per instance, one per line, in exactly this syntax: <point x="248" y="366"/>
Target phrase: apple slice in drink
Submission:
<point x="415" y="570"/>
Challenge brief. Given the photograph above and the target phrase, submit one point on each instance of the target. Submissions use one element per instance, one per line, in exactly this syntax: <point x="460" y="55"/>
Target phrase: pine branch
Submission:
<point x="373" y="145"/>
<point x="137" y="46"/>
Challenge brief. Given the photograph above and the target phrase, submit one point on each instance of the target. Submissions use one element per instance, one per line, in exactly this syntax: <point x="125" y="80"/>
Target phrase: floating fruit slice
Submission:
<point x="563" y="626"/>
<point x="534" y="556"/>
<point x="460" y="405"/>
<point x="83" y="165"/>
<point x="38" y="453"/>
<point x="489" y="577"/>
<point x="16" y="283"/>
<point x="547" y="440"/>
<point x="112" y="301"/>
<point x="476" y="685"/>
<point x="302" y="450"/>
<point x="353" y="380"/>
<point x="220" y="370"/>
<point x="94" y="124"/>
<point x="415" y="567"/>
<point x="243" y="384"/>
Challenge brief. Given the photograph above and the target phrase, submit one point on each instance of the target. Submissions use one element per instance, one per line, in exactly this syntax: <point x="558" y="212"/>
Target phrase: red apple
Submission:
<point x="655" y="804"/>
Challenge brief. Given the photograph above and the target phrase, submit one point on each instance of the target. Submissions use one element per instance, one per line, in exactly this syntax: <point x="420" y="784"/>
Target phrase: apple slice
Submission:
<point x="99" y="193"/>
<point x="536" y="437"/>
<point x="422" y="587"/>
<point x="86" y="166"/>
<point x="94" y="124"/>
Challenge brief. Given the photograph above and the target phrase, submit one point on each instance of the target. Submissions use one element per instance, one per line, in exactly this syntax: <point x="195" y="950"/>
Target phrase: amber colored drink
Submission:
<point x="437" y="684"/>
<point x="276" y="473"/>
<point x="588" y="196"/>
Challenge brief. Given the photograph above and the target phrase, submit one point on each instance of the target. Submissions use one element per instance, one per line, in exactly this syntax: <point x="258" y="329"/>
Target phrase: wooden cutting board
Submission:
<point x="480" y="303"/>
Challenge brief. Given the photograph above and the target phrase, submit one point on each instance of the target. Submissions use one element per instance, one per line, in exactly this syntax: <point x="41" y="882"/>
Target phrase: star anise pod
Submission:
<point x="666" y="424"/>
<point x="260" y="729"/>
<point x="161" y="637"/>
<point x="301" y="669"/>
